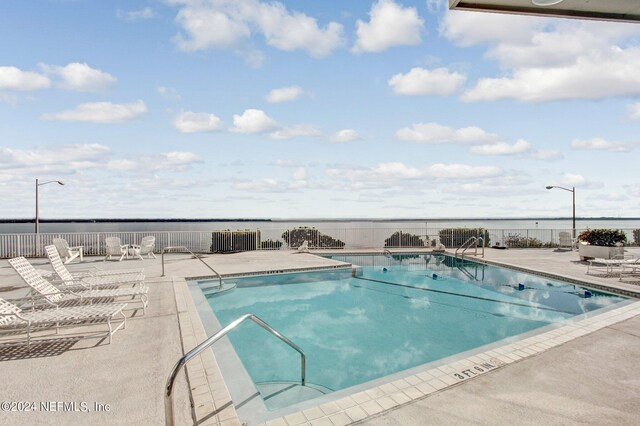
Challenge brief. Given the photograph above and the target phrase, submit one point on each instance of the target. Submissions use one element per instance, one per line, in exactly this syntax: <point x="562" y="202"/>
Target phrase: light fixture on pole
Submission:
<point x="544" y="3"/>
<point x="38" y="184"/>
<point x="573" y="191"/>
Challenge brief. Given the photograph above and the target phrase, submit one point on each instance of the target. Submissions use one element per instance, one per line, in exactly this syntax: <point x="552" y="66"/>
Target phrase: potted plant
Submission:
<point x="601" y="243"/>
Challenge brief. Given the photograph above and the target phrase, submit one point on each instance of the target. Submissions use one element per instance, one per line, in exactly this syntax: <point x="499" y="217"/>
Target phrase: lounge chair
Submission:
<point x="115" y="248"/>
<point x="566" y="240"/>
<point x="610" y="265"/>
<point x="146" y="247"/>
<point x="90" y="280"/>
<point x="68" y="253"/>
<point x="630" y="270"/>
<point x="45" y="294"/>
<point x="12" y="316"/>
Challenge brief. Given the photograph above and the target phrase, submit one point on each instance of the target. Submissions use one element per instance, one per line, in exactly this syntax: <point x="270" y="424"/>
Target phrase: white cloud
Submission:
<point x="546" y="155"/>
<point x="123" y="165"/>
<point x="599" y="144"/>
<point x="634" y="111"/>
<point x="12" y="78"/>
<point x="58" y="155"/>
<point x="300" y="130"/>
<point x="285" y="163"/>
<point x="230" y="23"/>
<point x="300" y="174"/>
<point x="80" y="77"/>
<point x="137" y="15"/>
<point x="346" y="135"/>
<point x="171" y="161"/>
<point x="462" y="171"/>
<point x="389" y="25"/>
<point x="545" y="59"/>
<point x="419" y="81"/>
<point x="100" y="112"/>
<point x="397" y="170"/>
<point x="194" y="122"/>
<point x="260" y="185"/>
<point x="168" y="92"/>
<point x="502" y="148"/>
<point x="253" y="121"/>
<point x="284" y="94"/>
<point x="434" y="133"/>
<point x="570" y="179"/>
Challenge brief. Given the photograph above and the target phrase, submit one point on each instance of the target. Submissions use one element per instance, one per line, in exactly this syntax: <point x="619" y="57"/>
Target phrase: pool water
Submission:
<point x="398" y="313"/>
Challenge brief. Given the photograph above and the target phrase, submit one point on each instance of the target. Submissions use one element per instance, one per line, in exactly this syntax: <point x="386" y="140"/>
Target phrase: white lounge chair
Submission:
<point x="610" y="265"/>
<point x="53" y="296"/>
<point x="146" y="247"/>
<point x="13" y="317"/>
<point x="566" y="240"/>
<point x="630" y="270"/>
<point x="68" y="253"/>
<point x="115" y="248"/>
<point x="90" y="280"/>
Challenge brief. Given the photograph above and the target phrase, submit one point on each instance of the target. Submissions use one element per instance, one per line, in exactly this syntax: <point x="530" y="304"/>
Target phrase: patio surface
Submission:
<point x="585" y="380"/>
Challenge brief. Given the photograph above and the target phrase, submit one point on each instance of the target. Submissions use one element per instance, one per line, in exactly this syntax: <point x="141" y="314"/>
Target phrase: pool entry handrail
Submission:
<point x="387" y="253"/>
<point x="164" y="249"/>
<point x="471" y="242"/>
<point x="168" y="394"/>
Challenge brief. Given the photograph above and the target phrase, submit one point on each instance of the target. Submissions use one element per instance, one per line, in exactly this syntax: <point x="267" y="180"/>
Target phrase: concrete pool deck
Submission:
<point x="130" y="373"/>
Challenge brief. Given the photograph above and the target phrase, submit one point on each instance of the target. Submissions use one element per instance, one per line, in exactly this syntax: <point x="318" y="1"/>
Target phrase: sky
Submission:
<point x="308" y="109"/>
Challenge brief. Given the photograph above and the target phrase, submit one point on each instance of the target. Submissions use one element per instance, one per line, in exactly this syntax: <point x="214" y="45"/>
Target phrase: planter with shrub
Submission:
<point x="601" y="243"/>
<point x="404" y="239"/>
<point x="316" y="239"/>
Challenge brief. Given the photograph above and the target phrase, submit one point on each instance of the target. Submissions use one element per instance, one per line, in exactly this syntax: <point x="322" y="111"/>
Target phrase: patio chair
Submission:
<point x="115" y="248"/>
<point x="68" y="253"/>
<point x="630" y="270"/>
<point x="610" y="265"/>
<point x="566" y="240"/>
<point x="49" y="295"/>
<point x="304" y="247"/>
<point x="90" y="280"/>
<point x="11" y="316"/>
<point x="146" y="247"/>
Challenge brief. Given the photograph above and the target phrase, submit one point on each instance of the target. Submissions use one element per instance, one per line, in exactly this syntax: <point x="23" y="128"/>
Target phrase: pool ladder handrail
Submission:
<point x="387" y="253"/>
<point x="467" y="245"/>
<point x="164" y="249"/>
<point x="168" y="395"/>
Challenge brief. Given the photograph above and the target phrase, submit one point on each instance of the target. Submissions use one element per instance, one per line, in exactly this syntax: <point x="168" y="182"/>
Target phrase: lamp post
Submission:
<point x="59" y="182"/>
<point x="573" y="191"/>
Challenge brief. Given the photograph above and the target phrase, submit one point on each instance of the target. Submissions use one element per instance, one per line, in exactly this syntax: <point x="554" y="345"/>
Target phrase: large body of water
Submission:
<point x="133" y="226"/>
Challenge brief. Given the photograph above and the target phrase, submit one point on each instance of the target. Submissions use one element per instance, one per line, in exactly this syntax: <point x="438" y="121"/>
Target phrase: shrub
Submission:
<point x="231" y="241"/>
<point x="400" y="239"/>
<point x="603" y="237"/>
<point x="517" y="240"/>
<point x="271" y="244"/>
<point x="316" y="239"/>
<point x="636" y="237"/>
<point x="455" y="237"/>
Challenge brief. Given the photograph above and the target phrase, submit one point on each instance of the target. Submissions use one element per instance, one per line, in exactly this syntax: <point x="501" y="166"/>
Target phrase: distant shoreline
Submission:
<point x="187" y="220"/>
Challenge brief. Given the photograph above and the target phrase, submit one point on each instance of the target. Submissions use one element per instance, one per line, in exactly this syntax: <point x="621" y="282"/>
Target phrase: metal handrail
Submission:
<point x="468" y="244"/>
<point x="387" y="253"/>
<point x="194" y="255"/>
<point x="168" y="396"/>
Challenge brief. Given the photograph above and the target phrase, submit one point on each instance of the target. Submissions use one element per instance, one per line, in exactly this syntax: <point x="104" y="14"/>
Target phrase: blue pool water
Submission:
<point x="395" y="316"/>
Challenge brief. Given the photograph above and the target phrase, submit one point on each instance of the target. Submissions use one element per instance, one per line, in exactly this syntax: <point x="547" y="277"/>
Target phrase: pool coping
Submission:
<point x="213" y="405"/>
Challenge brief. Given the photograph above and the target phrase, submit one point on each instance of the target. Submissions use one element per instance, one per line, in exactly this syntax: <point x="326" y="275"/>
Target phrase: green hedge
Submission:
<point x="603" y="237"/>
<point x="271" y="244"/>
<point x="232" y="241"/>
<point x="316" y="239"/>
<point x="403" y="239"/>
<point x="520" y="241"/>
<point x="455" y="237"/>
<point x="636" y="237"/>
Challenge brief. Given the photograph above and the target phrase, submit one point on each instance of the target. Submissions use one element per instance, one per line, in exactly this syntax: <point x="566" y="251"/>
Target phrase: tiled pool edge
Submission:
<point x="209" y="391"/>
<point x="212" y="404"/>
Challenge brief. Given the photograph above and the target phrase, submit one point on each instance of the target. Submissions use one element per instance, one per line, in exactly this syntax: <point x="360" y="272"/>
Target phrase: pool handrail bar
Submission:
<point x="164" y="249"/>
<point x="467" y="244"/>
<point x="168" y="395"/>
<point x="387" y="253"/>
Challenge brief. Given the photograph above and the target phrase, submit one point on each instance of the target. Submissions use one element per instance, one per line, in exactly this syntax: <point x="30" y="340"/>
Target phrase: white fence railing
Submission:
<point x="287" y="237"/>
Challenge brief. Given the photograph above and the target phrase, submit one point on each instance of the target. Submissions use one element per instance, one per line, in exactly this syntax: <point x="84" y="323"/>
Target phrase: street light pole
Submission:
<point x="38" y="184"/>
<point x="573" y="191"/>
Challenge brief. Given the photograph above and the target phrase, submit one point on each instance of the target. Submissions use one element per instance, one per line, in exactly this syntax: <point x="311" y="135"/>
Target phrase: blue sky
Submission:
<point x="293" y="109"/>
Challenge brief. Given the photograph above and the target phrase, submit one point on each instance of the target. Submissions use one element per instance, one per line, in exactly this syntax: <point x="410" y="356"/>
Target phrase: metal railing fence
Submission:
<point x="290" y="237"/>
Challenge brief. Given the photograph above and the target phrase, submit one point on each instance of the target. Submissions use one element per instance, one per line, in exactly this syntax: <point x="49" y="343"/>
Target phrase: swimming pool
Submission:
<point x="395" y="314"/>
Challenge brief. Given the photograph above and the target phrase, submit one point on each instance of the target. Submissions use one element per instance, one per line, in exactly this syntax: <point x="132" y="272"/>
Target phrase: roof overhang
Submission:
<point x="608" y="10"/>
